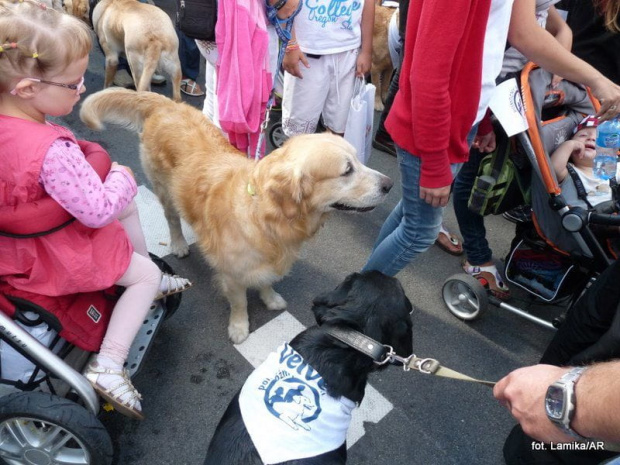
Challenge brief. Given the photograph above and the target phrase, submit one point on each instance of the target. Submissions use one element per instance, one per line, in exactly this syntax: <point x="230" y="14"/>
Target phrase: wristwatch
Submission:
<point x="560" y="401"/>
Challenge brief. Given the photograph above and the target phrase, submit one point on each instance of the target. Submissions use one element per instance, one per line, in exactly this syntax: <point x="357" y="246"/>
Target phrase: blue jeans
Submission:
<point x="471" y="224"/>
<point x="189" y="55"/>
<point x="413" y="225"/>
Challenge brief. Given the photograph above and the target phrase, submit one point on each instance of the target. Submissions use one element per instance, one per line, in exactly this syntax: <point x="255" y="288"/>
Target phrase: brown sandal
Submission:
<point x="448" y="242"/>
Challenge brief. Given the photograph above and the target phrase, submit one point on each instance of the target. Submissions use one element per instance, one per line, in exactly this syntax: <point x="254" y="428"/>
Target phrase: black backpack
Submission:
<point x="197" y="18"/>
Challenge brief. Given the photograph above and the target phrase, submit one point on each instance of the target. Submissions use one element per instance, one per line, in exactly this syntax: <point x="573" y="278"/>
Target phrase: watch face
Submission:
<point x="554" y="402"/>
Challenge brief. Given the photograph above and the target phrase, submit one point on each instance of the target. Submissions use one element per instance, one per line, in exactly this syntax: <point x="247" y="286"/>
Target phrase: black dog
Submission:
<point x="371" y="303"/>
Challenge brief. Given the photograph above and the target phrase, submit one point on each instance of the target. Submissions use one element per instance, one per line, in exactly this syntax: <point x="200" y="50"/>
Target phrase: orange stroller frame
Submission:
<point x="558" y="231"/>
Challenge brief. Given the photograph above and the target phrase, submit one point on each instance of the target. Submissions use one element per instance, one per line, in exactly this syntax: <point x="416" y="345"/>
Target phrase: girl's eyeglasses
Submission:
<point x="76" y="87"/>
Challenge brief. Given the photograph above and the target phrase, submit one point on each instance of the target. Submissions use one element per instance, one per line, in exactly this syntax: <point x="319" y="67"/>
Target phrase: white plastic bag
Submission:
<point x="360" y="121"/>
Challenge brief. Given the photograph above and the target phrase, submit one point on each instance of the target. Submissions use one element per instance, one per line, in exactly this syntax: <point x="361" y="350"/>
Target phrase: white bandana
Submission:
<point x="287" y="411"/>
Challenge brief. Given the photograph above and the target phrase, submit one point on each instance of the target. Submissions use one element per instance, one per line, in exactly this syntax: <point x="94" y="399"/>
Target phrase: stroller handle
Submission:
<point x="604" y="219"/>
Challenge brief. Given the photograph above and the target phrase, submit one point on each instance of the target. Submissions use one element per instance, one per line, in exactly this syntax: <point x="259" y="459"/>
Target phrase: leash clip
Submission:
<point x="426" y="365"/>
<point x="392" y="356"/>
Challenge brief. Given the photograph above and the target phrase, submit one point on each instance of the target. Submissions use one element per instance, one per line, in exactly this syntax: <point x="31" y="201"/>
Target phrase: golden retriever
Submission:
<point x="250" y="218"/>
<point x="381" y="68"/>
<point x="145" y="34"/>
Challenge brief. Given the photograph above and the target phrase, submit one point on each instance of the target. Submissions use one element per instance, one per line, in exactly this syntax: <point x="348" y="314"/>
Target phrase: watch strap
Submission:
<point x="567" y="382"/>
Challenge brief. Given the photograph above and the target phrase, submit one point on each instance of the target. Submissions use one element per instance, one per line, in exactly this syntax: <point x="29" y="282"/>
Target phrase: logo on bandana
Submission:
<point x="293" y="394"/>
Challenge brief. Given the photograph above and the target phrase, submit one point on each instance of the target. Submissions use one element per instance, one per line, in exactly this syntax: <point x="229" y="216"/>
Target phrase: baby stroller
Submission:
<point x="48" y="410"/>
<point x="555" y="256"/>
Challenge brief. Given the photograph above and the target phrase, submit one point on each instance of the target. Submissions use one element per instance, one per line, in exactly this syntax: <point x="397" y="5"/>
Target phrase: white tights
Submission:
<point x="141" y="281"/>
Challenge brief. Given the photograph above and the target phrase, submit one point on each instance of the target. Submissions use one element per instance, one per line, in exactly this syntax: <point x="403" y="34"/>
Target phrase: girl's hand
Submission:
<point x="126" y="168"/>
<point x="290" y="62"/>
<point x="364" y="61"/>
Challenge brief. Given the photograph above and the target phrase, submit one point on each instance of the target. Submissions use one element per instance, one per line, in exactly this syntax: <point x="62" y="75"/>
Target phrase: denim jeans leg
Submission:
<point x="189" y="56"/>
<point x="471" y="224"/>
<point x="411" y="228"/>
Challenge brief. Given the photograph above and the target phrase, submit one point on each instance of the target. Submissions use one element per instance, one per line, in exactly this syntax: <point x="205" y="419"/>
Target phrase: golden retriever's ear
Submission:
<point x="290" y="194"/>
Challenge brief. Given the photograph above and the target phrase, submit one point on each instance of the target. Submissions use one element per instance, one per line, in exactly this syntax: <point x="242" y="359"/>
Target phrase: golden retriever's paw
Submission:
<point x="272" y="300"/>
<point x="180" y="249"/>
<point x="239" y="332"/>
<point x="379" y="105"/>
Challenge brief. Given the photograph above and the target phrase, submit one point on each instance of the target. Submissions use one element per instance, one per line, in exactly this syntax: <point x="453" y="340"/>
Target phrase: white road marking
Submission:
<point x="154" y="223"/>
<point x="265" y="339"/>
<point x="284" y="327"/>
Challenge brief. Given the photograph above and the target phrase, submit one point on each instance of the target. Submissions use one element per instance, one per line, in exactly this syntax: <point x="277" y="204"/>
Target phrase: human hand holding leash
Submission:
<point x="608" y="94"/>
<point x="523" y="392"/>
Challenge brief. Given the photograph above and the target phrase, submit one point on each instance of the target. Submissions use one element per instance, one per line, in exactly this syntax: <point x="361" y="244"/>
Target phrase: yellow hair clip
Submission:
<point x="1" y="49"/>
<point x="35" y="55"/>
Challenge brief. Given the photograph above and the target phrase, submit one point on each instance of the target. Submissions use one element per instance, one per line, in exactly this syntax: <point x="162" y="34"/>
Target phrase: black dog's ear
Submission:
<point x="323" y="305"/>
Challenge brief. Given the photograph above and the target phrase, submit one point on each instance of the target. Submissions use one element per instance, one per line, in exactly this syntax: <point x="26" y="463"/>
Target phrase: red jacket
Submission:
<point x="439" y="87"/>
<point x="72" y="259"/>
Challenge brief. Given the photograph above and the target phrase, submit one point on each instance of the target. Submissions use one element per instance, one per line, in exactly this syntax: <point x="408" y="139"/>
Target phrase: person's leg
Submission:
<point x="479" y="261"/>
<point x="382" y="139"/>
<point x="418" y="227"/>
<point x="130" y="219"/>
<point x="303" y="99"/>
<point x="141" y="282"/>
<point x="341" y="67"/>
<point x="189" y="55"/>
<point x="471" y="224"/>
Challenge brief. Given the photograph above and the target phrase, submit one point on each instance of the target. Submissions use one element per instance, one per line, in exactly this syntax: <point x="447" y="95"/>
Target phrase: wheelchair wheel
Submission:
<point x="465" y="297"/>
<point x="36" y="427"/>
<point x="276" y="135"/>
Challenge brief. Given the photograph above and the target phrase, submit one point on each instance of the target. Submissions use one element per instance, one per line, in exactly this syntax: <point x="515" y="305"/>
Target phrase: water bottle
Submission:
<point x="607" y="145"/>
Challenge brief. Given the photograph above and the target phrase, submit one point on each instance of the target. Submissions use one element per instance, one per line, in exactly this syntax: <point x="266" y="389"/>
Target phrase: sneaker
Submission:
<point x="382" y="141"/>
<point x="122" y="78"/>
<point x="158" y="79"/>
<point x="520" y="214"/>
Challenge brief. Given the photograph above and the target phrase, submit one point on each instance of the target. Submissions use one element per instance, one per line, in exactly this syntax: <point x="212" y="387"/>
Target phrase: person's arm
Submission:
<point x="558" y="28"/>
<point x="429" y="78"/>
<point x="70" y="180"/>
<point x="597" y="414"/>
<point x="562" y="155"/>
<point x="539" y="46"/>
<point x="364" y="58"/>
<point x="597" y="411"/>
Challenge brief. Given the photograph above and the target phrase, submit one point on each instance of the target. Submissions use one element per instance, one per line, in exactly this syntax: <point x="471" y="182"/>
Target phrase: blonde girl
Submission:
<point x="43" y="61"/>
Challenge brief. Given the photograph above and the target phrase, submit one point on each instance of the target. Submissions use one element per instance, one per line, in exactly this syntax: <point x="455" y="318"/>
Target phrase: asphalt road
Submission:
<point x="192" y="370"/>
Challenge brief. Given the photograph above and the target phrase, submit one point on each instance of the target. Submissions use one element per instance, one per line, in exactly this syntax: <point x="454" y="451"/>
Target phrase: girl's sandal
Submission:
<point x="114" y="394"/>
<point x="490" y="278"/>
<point x="174" y="284"/>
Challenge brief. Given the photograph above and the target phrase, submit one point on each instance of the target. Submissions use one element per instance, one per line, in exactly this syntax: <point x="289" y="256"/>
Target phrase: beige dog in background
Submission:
<point x="250" y="218"/>
<point x="381" y="68"/>
<point x="145" y="34"/>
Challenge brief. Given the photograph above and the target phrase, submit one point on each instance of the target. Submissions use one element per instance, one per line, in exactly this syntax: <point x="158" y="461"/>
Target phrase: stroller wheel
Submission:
<point x="276" y="135"/>
<point x="464" y="296"/>
<point x="37" y="427"/>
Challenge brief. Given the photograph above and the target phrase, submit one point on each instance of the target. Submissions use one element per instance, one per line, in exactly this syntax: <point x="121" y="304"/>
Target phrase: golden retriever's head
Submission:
<point x="318" y="173"/>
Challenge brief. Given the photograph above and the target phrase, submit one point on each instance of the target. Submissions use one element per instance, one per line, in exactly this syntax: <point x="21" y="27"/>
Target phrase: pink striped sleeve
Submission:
<point x="70" y="180"/>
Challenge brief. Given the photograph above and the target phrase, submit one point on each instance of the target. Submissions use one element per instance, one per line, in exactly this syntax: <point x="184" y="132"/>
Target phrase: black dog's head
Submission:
<point x="373" y="304"/>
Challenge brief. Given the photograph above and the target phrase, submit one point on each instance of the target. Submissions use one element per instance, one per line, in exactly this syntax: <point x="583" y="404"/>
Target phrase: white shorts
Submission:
<point x="327" y="89"/>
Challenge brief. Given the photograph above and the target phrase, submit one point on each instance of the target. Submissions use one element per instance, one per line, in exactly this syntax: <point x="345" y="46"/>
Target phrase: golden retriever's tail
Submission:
<point x="124" y="107"/>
